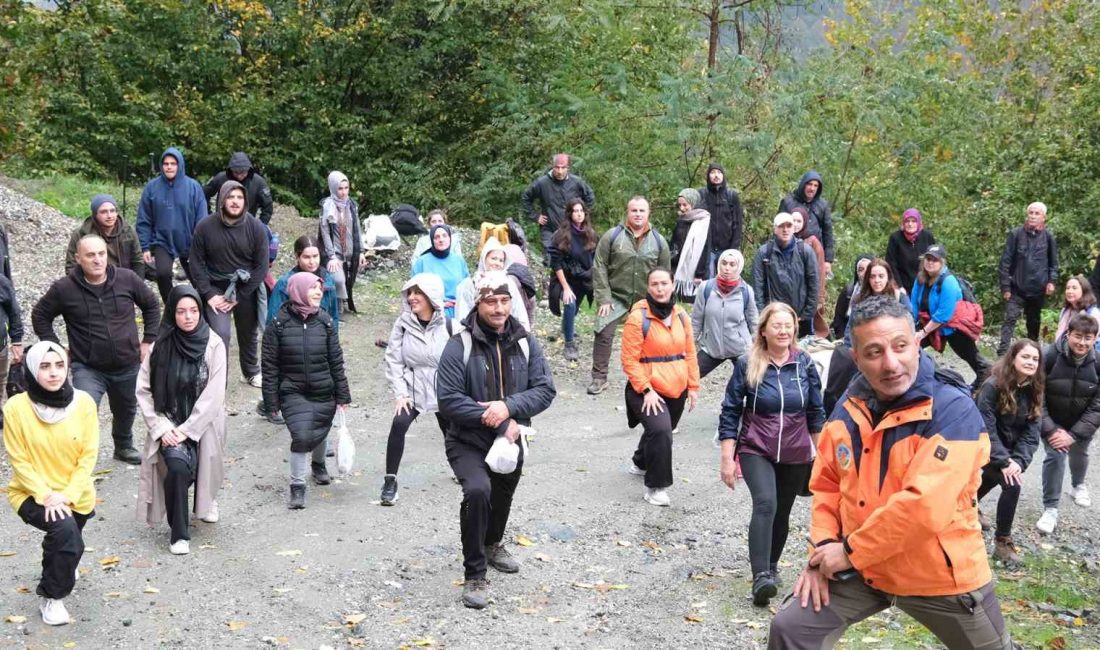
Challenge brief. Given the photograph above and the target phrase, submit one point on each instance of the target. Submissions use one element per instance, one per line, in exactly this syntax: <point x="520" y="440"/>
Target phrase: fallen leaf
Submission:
<point x="23" y="589"/>
<point x="528" y="610"/>
<point x="235" y="625"/>
<point x="102" y="472"/>
<point x="354" y="619"/>
<point x="110" y="561"/>
<point x="1057" y="643"/>
<point x="289" y="552"/>
<point x="424" y="643"/>
<point x="622" y="542"/>
<point x="70" y="644"/>
<point x="301" y="569"/>
<point x="693" y="618"/>
<point x="282" y="590"/>
<point x="753" y="625"/>
<point x="584" y="585"/>
<point x="113" y="594"/>
<point x="7" y="553"/>
<point x="15" y="619"/>
<point x="551" y="619"/>
<point x="207" y="546"/>
<point x="459" y="582"/>
<point x="1078" y="621"/>
<point x="150" y="589"/>
<point x="523" y="541"/>
<point x="389" y="604"/>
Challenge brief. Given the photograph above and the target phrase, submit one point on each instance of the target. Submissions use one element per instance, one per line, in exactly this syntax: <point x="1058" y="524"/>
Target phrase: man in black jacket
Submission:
<point x="553" y="190"/>
<point x="1071" y="415"/>
<point x="1029" y="269"/>
<point x="228" y="264"/>
<point x="97" y="303"/>
<point x="492" y="377"/>
<point x="256" y="191"/>
<point x="785" y="270"/>
<point x="11" y="328"/>
<point x="810" y="195"/>
<point x="727" y="220"/>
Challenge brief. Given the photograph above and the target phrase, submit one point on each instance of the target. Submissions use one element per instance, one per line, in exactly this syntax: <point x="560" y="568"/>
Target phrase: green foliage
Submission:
<point x="71" y="195"/>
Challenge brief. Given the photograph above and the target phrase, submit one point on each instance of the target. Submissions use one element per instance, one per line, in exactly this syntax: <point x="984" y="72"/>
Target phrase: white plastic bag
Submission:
<point x="379" y="233"/>
<point x="345" y="446"/>
<point x="503" y="456"/>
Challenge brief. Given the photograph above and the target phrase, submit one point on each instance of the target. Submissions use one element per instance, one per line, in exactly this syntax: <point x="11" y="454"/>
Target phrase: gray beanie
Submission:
<point x="99" y="199"/>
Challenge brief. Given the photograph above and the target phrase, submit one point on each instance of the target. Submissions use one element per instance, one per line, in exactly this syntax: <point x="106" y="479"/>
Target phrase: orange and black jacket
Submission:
<point x="659" y="356"/>
<point x="898" y="482"/>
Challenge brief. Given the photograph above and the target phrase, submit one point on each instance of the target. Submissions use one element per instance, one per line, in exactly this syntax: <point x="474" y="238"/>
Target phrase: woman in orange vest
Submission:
<point x="658" y="356"/>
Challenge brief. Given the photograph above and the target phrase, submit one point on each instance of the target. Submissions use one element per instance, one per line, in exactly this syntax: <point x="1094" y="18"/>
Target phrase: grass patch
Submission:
<point x="71" y="195"/>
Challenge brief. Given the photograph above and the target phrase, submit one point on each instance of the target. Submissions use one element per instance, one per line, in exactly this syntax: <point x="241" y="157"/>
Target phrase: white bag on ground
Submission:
<point x="345" y="446"/>
<point x="503" y="456"/>
<point x="379" y="233"/>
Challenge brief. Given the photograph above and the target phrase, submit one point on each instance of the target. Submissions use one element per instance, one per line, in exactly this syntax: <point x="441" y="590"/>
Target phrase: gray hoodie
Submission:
<point x="414" y="349"/>
<point x="723" y="325"/>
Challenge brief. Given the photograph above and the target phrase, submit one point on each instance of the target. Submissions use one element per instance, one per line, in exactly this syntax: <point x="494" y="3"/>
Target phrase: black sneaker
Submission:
<point x="320" y="474"/>
<point x="500" y="559"/>
<point x="128" y="455"/>
<point x="273" y="418"/>
<point x="389" y="490"/>
<point x="763" y="588"/>
<point x="475" y="593"/>
<point x="297" y="497"/>
<point x="774" y="570"/>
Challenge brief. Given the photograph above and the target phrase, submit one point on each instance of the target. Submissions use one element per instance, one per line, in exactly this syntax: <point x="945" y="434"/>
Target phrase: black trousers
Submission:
<point x="395" y="446"/>
<point x="62" y="548"/>
<point x="162" y="266"/>
<point x="486" y="503"/>
<point x="245" y="319"/>
<point x="707" y="363"/>
<point x="1031" y="308"/>
<point x="654" y="452"/>
<point x="181" y="462"/>
<point x="967" y="349"/>
<point x="1006" y="504"/>
<point x="351" y="272"/>
<point x="805" y="327"/>
<point x="773" y="487"/>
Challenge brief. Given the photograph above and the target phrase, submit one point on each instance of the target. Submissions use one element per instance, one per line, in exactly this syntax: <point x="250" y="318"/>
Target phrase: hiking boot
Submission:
<point x="297" y="497"/>
<point x="389" y="490"/>
<point x="500" y="559"/>
<point x="128" y="455"/>
<point x="774" y="570"/>
<point x="657" y="496"/>
<point x="255" y="381"/>
<point x="320" y="474"/>
<point x="475" y="593"/>
<point x="763" y="588"/>
<point x="987" y="525"/>
<point x="597" y="386"/>
<point x="1005" y="551"/>
<point x="1080" y="496"/>
<point x="570" y="351"/>
<point x="273" y="418"/>
<point x="1048" y="522"/>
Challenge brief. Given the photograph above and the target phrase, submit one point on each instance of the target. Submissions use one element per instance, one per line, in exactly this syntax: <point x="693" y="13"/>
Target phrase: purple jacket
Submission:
<point x="774" y="419"/>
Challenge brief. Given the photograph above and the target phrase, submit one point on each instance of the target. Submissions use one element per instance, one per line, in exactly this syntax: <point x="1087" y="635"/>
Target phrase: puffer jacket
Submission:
<point x="1029" y="262"/>
<point x="775" y="418"/>
<point x="1012" y="436"/>
<point x="662" y="358"/>
<point x="1072" y="397"/>
<point x="622" y="267"/>
<point x="330" y="304"/>
<point x="303" y="375"/>
<point x="123" y="247"/>
<point x="413" y="352"/>
<point x="898" y="483"/>
<point x="820" y="223"/>
<point x="723" y="325"/>
<point x="169" y="210"/>
<point x="497" y="369"/>
<point x="791" y="279"/>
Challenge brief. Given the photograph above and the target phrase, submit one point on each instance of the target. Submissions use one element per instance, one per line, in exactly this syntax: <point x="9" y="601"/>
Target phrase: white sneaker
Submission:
<point x="634" y="469"/>
<point x="212" y="517"/>
<point x="76" y="575"/>
<point x="1048" y="522"/>
<point x="676" y="430"/>
<point x="180" y="547"/>
<point x="254" y="381"/>
<point x="53" y="611"/>
<point x="656" y="496"/>
<point x="1080" y="496"/>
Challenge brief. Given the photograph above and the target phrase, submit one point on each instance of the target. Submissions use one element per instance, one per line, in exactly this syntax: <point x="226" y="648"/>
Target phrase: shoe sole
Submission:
<point x="764" y="596"/>
<point x="295" y="507"/>
<point x="472" y="605"/>
<point x="504" y="569"/>
<point x="390" y="502"/>
<point x="657" y="503"/>
<point x="635" y="471"/>
<point x="320" y="482"/>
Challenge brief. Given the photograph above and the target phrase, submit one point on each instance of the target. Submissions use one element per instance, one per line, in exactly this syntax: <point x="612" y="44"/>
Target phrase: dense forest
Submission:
<point x="965" y="109"/>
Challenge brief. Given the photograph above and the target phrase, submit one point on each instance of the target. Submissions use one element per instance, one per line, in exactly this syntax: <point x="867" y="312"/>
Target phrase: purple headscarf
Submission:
<point x="912" y="213"/>
<point x="297" y="288"/>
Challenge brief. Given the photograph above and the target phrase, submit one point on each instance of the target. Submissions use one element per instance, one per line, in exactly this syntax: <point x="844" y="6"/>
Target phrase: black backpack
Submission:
<point x="406" y="220"/>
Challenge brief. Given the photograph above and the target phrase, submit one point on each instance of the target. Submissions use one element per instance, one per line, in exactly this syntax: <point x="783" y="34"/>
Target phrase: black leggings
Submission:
<point x="162" y="264"/>
<point x="1006" y="504"/>
<point x="395" y="447"/>
<point x="773" y="487"/>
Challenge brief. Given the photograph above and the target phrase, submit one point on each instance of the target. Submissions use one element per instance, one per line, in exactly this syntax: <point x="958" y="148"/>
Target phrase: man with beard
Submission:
<point x="256" y="191"/>
<point x="123" y="248"/>
<point x="810" y="195"/>
<point x="170" y="208"/>
<point x="727" y="220"/>
<point x="492" y="377"/>
<point x="228" y="265"/>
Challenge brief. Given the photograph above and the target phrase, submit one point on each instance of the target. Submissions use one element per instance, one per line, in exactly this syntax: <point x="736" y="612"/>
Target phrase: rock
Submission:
<point x="127" y="622"/>
<point x="560" y="533"/>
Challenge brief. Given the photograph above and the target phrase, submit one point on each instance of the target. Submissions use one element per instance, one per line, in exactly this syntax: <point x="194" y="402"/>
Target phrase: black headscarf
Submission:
<point x="177" y="359"/>
<point x="57" y="399"/>
<point x="441" y="254"/>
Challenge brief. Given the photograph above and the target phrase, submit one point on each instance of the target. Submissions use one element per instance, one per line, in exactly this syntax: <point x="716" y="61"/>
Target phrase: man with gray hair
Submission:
<point x="553" y="190"/>
<point x="1029" y="269"/>
<point x="894" y="520"/>
<point x="97" y="301"/>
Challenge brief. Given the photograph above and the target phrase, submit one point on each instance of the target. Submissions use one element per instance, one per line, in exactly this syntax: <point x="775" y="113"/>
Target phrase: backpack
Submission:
<point x="406" y="220"/>
<point x="619" y="229"/>
<point x="967" y="289"/>
<point x="468" y="346"/>
<point x="708" y="288"/>
<point x="646" y="326"/>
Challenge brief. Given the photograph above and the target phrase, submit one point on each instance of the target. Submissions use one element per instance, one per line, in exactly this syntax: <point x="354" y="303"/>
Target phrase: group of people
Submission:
<point x="886" y="422"/>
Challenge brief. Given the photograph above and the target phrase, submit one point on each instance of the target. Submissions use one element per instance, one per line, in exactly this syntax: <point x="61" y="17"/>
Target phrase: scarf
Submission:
<point x="441" y="254"/>
<point x="297" y="288"/>
<point x="661" y="310"/>
<point x="726" y="287"/>
<point x="50" y="406"/>
<point x="694" y="245"/>
<point x="334" y="181"/>
<point x="176" y="365"/>
<point x="912" y="213"/>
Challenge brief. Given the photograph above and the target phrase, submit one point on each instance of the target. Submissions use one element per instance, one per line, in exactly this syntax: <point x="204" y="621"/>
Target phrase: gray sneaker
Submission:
<point x="475" y="593"/>
<point x="570" y="352"/>
<point x="597" y="386"/>
<point x="500" y="559"/>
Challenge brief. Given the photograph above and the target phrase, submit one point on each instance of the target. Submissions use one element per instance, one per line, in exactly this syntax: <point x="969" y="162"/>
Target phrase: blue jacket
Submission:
<point x="330" y="304"/>
<point x="774" y="419"/>
<point x="169" y="210"/>
<point x="451" y="269"/>
<point x="945" y="294"/>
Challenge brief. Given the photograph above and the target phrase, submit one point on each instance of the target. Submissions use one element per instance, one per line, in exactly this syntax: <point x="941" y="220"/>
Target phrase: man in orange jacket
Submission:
<point x="894" y="516"/>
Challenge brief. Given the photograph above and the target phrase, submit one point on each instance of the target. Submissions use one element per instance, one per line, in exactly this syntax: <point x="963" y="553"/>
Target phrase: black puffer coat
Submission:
<point x="1012" y="436"/>
<point x="1072" y="400"/>
<point x="303" y="375"/>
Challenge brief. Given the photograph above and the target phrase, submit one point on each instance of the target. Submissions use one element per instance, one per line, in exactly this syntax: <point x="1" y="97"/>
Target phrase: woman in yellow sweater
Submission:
<point x="51" y="434"/>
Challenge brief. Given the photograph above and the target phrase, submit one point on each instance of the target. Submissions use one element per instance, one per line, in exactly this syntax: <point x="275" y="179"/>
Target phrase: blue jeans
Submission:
<point x="569" y="319"/>
<point x="712" y="264"/>
<point x="121" y="389"/>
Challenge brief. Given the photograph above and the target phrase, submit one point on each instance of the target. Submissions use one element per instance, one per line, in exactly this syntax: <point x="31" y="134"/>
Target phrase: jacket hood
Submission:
<point x="430" y="285"/>
<point x="1062" y="347"/>
<point x="226" y="188"/>
<point x="491" y="244"/>
<point x="178" y="155"/>
<point x="711" y="167"/>
<point x="806" y="178"/>
<point x="239" y="160"/>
